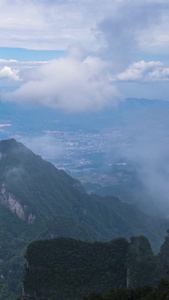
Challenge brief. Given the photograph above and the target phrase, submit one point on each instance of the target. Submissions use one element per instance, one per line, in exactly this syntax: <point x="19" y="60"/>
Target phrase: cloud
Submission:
<point x="76" y="82"/>
<point x="49" y="24"/>
<point x="4" y="61"/>
<point x="46" y="145"/>
<point x="58" y="24"/>
<point x="5" y="125"/>
<point x="15" y="173"/>
<point x="115" y="32"/>
<point x="9" y="73"/>
<point x="134" y="30"/>
<point x="144" y="71"/>
<point x="150" y="156"/>
<point x="146" y="150"/>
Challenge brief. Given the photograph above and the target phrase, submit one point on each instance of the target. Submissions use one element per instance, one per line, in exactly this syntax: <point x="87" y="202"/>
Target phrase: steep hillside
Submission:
<point x="38" y="201"/>
<point x="70" y="269"/>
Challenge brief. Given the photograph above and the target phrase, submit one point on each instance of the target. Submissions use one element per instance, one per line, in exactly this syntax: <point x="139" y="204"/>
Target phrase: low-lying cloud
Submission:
<point x="7" y="72"/>
<point x="147" y="150"/>
<point x="75" y="82"/>
<point x="144" y="71"/>
<point x="46" y="145"/>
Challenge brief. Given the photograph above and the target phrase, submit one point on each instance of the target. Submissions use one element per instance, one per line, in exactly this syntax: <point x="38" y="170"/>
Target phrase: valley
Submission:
<point x="39" y="201"/>
<point x="111" y="152"/>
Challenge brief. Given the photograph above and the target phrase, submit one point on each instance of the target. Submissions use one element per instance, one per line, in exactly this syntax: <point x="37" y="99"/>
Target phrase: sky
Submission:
<point x="83" y="55"/>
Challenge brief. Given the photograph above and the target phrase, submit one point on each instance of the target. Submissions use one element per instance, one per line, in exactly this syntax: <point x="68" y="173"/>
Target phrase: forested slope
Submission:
<point x="38" y="201"/>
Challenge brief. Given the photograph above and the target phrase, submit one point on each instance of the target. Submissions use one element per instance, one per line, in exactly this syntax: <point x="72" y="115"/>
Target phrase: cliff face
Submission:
<point x="70" y="269"/>
<point x="10" y="202"/>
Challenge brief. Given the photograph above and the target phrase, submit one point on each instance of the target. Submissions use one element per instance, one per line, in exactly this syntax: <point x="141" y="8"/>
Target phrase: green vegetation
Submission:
<point x="74" y="268"/>
<point x="161" y="292"/>
<point x="38" y="201"/>
<point x="65" y="268"/>
<point x="142" y="263"/>
<point x="163" y="257"/>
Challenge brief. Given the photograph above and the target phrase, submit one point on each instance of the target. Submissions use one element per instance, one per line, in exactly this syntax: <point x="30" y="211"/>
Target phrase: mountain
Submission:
<point x="121" y="150"/>
<point x="65" y="268"/>
<point x="38" y="201"/>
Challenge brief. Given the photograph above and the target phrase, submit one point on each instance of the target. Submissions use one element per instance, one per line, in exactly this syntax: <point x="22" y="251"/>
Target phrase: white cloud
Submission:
<point x="5" y="61"/>
<point x="58" y="24"/>
<point x="144" y="71"/>
<point x="75" y="82"/>
<point x="134" y="30"/>
<point x="16" y="71"/>
<point x="7" y="72"/>
<point x="5" y="125"/>
<point x="49" y="24"/>
<point x="118" y="31"/>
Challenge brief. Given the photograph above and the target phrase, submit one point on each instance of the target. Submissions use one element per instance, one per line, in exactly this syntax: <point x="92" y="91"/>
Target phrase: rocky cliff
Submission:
<point x="70" y="269"/>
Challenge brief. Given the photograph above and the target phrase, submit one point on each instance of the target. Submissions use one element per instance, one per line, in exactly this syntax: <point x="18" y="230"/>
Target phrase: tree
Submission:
<point x="141" y="263"/>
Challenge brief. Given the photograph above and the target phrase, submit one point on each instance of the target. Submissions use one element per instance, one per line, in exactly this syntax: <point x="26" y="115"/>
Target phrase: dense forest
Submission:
<point x="161" y="292"/>
<point x="65" y="268"/>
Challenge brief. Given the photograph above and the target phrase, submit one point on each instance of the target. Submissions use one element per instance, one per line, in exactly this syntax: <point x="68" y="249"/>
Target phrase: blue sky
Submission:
<point x="21" y="54"/>
<point x="85" y="55"/>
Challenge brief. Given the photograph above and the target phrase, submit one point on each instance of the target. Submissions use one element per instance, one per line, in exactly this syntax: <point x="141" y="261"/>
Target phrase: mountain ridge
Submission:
<point x="38" y="201"/>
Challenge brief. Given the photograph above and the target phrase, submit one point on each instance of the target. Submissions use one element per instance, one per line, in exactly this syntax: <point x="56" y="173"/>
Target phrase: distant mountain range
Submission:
<point x="38" y="201"/>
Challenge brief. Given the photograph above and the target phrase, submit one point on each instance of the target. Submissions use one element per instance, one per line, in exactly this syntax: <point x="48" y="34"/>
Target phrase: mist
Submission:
<point x="46" y="145"/>
<point x="146" y="149"/>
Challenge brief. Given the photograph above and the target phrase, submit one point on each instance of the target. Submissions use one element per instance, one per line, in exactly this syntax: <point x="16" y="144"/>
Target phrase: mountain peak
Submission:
<point x="13" y="147"/>
<point x="10" y="144"/>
